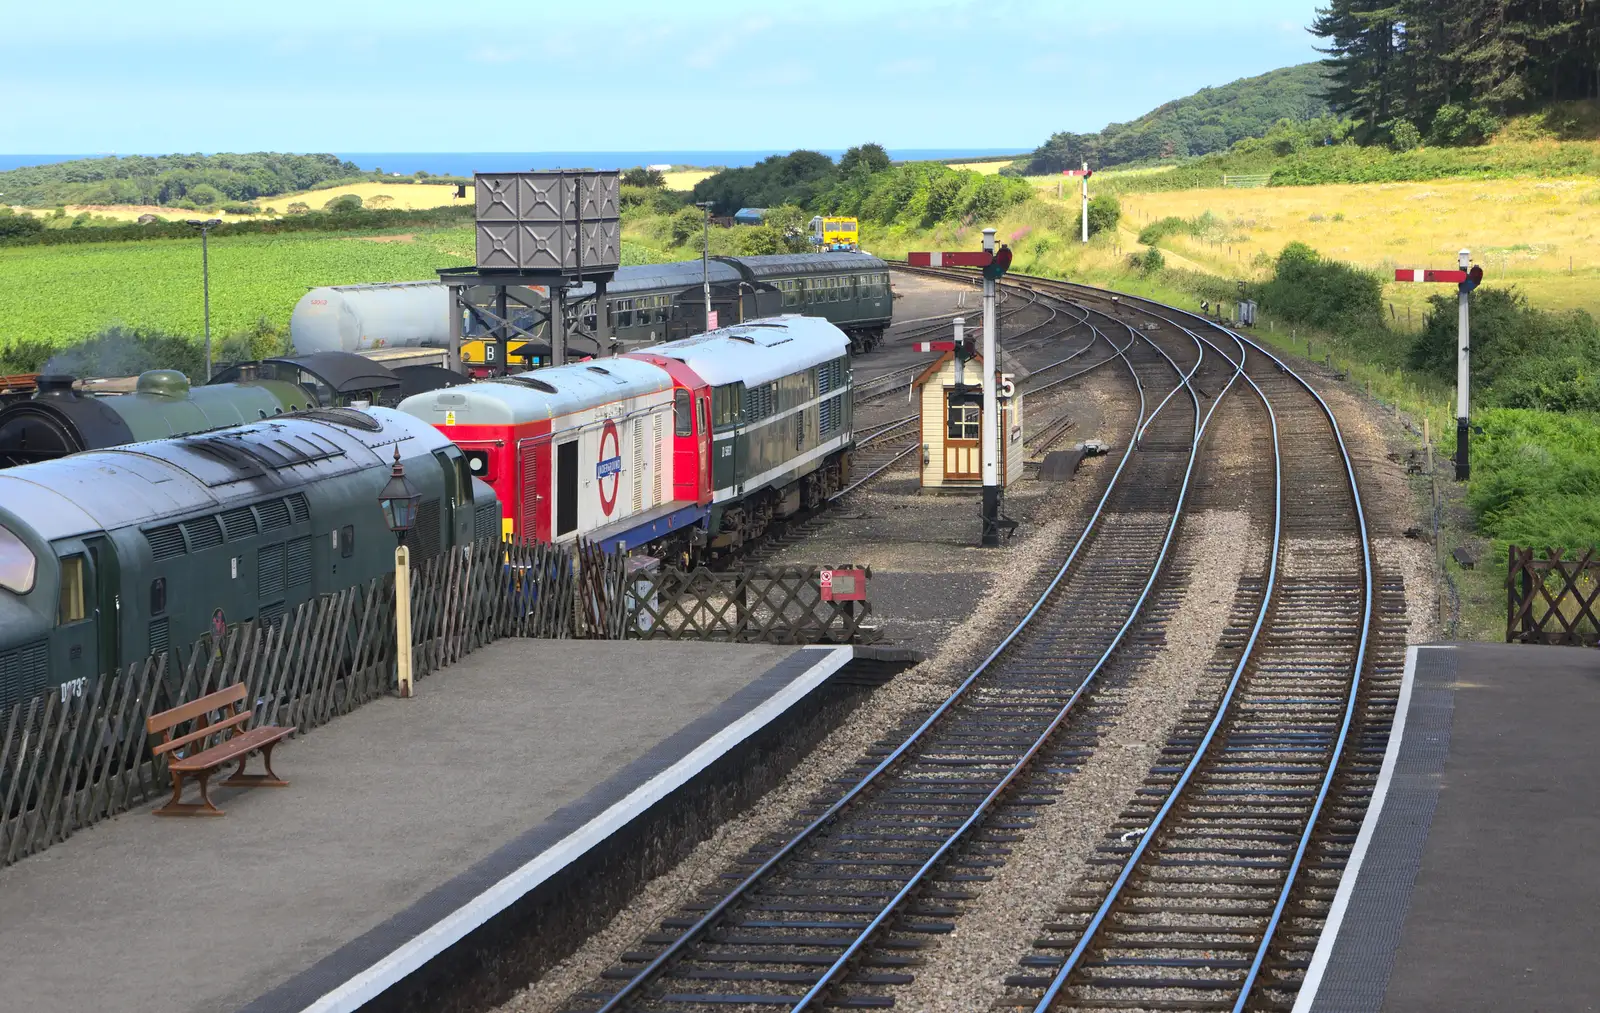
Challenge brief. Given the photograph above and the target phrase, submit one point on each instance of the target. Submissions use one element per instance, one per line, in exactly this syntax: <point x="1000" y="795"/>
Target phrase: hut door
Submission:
<point x="963" y="417"/>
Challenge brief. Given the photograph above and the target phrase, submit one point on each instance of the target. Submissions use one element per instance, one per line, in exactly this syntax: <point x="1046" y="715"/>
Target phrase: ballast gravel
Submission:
<point x="967" y="970"/>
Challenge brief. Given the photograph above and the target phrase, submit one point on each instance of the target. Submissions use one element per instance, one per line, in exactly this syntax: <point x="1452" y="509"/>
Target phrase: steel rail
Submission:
<point x="826" y="979"/>
<point x="1070" y="963"/>
<point x="714" y="914"/>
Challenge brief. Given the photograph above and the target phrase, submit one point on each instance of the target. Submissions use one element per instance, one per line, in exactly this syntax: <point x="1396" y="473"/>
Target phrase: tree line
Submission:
<point x="200" y="180"/>
<point x="1448" y="70"/>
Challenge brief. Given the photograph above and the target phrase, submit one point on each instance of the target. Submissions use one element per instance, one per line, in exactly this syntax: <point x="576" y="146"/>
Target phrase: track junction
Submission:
<point x="1209" y="890"/>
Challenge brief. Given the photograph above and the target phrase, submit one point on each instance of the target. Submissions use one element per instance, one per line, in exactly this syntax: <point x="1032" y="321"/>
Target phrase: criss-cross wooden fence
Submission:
<point x="762" y="604"/>
<point x="76" y="755"/>
<point x="1551" y="599"/>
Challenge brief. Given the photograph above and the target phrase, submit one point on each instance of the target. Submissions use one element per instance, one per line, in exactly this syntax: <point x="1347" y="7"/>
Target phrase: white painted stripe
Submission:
<point x="935" y="260"/>
<point x="1418" y="275"/>
<point x="437" y="938"/>
<point x="1369" y="823"/>
<point x="727" y="493"/>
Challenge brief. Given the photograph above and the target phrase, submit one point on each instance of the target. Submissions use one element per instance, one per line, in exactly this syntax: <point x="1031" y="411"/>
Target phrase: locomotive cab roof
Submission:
<point x="541" y="393"/>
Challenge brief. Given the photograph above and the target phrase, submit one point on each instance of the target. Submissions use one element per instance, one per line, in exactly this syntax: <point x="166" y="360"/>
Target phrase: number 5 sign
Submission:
<point x="1008" y="386"/>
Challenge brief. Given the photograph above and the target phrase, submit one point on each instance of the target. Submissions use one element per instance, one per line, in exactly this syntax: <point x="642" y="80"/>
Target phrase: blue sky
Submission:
<point x="536" y="75"/>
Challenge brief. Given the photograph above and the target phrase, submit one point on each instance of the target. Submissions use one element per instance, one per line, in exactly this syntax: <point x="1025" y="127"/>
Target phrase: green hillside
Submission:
<point x="1210" y="120"/>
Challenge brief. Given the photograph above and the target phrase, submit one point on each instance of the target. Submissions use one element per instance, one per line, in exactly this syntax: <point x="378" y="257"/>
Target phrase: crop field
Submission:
<point x="685" y="179"/>
<point x="64" y="293"/>
<point x="1538" y="234"/>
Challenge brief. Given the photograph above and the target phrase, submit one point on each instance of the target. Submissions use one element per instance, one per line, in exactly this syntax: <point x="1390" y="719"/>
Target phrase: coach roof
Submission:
<point x="758" y="351"/>
<point x="539" y="394"/>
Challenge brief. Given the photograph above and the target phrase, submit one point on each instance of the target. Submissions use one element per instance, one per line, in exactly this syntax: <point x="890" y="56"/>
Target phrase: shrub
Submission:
<point x="1161" y="228"/>
<point x="19" y="225"/>
<point x="1148" y="262"/>
<point x="297" y="207"/>
<point x="262" y="341"/>
<point x="1403" y="135"/>
<point x="1105" y="211"/>
<point x="686" y="224"/>
<point x="26" y="356"/>
<point x="1521" y="357"/>
<point x="343" y="204"/>
<point x="380" y="200"/>
<point x="1454" y="124"/>
<point x="241" y="208"/>
<point x="642" y="177"/>
<point x="1305" y="288"/>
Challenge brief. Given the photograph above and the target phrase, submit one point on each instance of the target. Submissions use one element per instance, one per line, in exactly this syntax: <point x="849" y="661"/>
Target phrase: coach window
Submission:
<point x="625" y="313"/>
<point x="71" y="606"/>
<point x="682" y="414"/>
<point x="17" y="563"/>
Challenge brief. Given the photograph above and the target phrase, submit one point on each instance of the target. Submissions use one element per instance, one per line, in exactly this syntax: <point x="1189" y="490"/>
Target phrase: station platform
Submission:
<point x="456" y="837"/>
<point x="1473" y="884"/>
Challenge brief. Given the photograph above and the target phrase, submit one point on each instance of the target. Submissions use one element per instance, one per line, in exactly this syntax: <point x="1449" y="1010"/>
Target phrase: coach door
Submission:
<point x="963" y="418"/>
<point x="566" y="488"/>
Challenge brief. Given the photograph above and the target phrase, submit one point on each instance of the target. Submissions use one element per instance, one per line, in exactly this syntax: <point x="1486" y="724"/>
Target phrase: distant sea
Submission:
<point x="465" y="163"/>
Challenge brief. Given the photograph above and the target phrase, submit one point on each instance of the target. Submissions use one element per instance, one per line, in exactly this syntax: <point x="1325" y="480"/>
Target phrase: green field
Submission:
<point x="63" y="294"/>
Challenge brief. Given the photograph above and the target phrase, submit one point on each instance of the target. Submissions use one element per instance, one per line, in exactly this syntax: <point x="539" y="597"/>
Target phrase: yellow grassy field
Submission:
<point x="686" y="179"/>
<point x="984" y="168"/>
<point x="405" y="196"/>
<point x="1537" y="234"/>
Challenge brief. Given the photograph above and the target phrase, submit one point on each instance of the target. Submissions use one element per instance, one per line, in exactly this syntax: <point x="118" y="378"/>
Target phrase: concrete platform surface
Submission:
<point x="406" y="824"/>
<point x="1475" y="882"/>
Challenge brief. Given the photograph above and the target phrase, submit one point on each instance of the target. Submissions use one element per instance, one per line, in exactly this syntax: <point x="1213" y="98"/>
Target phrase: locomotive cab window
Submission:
<point x="17" y="564"/>
<point x="682" y="414"/>
<point x="70" y="609"/>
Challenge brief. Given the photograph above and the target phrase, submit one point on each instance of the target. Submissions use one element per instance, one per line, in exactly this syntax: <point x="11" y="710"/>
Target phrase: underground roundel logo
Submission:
<point x="609" y="470"/>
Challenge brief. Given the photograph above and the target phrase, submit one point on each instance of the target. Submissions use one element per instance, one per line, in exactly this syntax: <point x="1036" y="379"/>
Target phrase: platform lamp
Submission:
<point x="205" y="279"/>
<point x="399" y="503"/>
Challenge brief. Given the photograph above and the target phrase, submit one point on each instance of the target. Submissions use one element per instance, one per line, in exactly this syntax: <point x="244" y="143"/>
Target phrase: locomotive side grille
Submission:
<point x="203" y="532"/>
<point x="271" y="615"/>
<point x="484" y="523"/>
<point x="299" y="508"/>
<point x="23" y="673"/>
<point x="528" y="497"/>
<point x="160" y="635"/>
<point x="239" y="523"/>
<point x="269" y="571"/>
<point x="830" y="415"/>
<point x="274" y="514"/>
<point x="425" y="536"/>
<point x="165" y="543"/>
<point x="299" y="563"/>
<point x="638" y="465"/>
<point x="660" y="465"/>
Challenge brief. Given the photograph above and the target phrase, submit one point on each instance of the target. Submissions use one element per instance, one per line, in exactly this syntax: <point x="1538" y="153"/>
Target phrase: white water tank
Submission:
<point x="355" y="318"/>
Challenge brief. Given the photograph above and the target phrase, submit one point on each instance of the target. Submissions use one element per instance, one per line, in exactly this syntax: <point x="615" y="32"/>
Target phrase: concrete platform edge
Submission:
<point x="1369" y="992"/>
<point x="738" y="722"/>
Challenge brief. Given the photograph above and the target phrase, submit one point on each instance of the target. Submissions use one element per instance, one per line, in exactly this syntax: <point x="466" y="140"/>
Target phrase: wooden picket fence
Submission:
<point x="1551" y="599"/>
<point x="77" y="755"/>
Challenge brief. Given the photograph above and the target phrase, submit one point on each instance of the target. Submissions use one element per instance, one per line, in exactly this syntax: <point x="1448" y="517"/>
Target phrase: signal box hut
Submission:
<point x="950" y="393"/>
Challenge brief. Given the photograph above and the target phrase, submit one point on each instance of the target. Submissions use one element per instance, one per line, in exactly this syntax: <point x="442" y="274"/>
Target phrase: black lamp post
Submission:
<point x="399" y="500"/>
<point x="205" y="275"/>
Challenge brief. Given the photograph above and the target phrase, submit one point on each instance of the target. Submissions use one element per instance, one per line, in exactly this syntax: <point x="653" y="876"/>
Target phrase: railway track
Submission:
<point x="1208" y="892"/>
<point x="846" y="901"/>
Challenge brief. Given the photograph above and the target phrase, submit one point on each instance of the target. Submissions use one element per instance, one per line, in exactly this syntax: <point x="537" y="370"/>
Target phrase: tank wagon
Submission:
<point x="647" y="304"/>
<point x="109" y="556"/>
<point x="686" y="447"/>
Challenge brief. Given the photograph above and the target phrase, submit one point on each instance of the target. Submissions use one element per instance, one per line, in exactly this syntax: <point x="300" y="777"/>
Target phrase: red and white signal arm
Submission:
<point x="844" y="585"/>
<point x="1422" y="274"/>
<point x="1077" y="172"/>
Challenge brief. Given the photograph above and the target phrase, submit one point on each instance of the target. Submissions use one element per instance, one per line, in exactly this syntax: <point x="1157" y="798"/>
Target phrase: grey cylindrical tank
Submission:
<point x="353" y="318"/>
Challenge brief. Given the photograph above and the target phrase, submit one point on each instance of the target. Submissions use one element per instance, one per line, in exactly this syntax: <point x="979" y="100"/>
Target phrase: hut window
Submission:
<point x="963" y="417"/>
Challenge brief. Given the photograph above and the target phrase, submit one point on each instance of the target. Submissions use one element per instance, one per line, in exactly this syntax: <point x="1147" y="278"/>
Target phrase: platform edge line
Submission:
<point x="423" y="947"/>
<point x="1312" y="982"/>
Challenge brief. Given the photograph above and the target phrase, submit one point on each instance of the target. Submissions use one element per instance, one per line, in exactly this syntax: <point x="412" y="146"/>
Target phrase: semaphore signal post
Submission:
<point x="994" y="264"/>
<point x="1466" y="279"/>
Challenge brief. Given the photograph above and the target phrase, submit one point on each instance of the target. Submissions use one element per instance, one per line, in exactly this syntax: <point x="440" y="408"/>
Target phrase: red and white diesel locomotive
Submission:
<point x="694" y="444"/>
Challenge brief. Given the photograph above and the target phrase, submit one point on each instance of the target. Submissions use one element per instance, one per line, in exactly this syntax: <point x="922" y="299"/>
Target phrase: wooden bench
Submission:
<point x="237" y="742"/>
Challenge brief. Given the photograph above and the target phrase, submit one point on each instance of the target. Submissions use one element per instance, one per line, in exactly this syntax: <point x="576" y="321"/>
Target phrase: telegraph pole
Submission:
<point x="991" y="410"/>
<point x="705" y="256"/>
